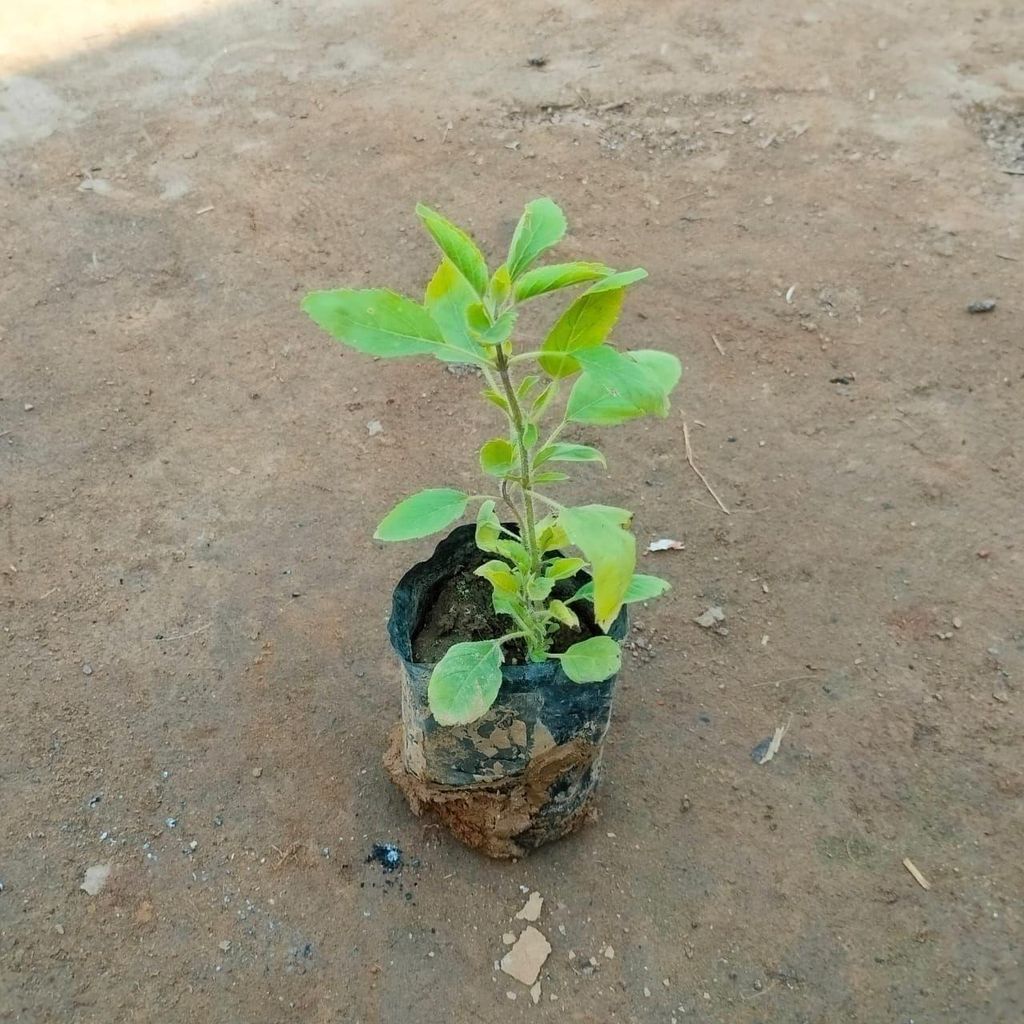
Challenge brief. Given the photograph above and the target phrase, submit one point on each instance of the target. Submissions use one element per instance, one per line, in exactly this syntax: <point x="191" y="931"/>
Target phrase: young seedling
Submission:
<point x="469" y="316"/>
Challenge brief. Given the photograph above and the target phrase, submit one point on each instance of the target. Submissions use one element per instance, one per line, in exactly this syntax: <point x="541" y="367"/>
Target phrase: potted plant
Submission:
<point x="509" y="634"/>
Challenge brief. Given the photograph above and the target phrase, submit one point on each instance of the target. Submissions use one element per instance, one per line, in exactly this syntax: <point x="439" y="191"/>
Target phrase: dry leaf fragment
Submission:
<point x="666" y="545"/>
<point x="776" y="742"/>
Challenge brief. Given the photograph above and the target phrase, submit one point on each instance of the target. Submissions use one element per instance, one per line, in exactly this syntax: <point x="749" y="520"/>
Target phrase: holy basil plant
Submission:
<point x="468" y="315"/>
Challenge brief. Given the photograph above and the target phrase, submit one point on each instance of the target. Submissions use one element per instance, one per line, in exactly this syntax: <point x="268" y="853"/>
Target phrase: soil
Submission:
<point x="462" y="610"/>
<point x="195" y="677"/>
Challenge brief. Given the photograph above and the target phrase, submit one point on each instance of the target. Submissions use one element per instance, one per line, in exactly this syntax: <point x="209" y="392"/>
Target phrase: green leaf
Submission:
<point x="458" y="247"/>
<point x="591" y="661"/>
<point x="618" y="372"/>
<point x="621" y="279"/>
<point x="563" y="568"/>
<point x="488" y="527"/>
<point x="376" y="321"/>
<point x="538" y="589"/>
<point x="614" y="394"/>
<point x="525" y="386"/>
<point x="550" y="536"/>
<point x="550" y="477"/>
<point x="641" y="588"/>
<point x="500" y="287"/>
<point x="465" y="682"/>
<point x="498" y="399"/>
<point x="563" y="451"/>
<point x="478" y="319"/>
<point x="585" y="324"/>
<point x="542" y="280"/>
<point x="563" y="613"/>
<point x="447" y="299"/>
<point x="543" y="400"/>
<point x="541" y="226"/>
<point x="515" y="553"/>
<point x="499" y="575"/>
<point x="422" y="514"/>
<point x="505" y="604"/>
<point x="500" y="331"/>
<point x="497" y="457"/>
<point x="598" y="531"/>
<point x="530" y="434"/>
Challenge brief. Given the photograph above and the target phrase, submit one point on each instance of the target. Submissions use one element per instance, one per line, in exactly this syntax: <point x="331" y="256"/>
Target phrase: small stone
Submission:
<point x="609" y="953"/>
<point x="957" y="622"/>
<point x="525" y="959"/>
<point x="171" y="822"/>
<point x="535" y="993"/>
<point x="711" y="617"/>
<point x="981" y="306"/>
<point x="224" y="946"/>
<point x="95" y="879"/>
<point x="374" y="427"/>
<point x="508" y="938"/>
<point x="532" y="908"/>
<point x="59" y="929"/>
<point x="510" y="995"/>
<point x="257" y="773"/>
<point x="87" y="669"/>
<point x="29" y="407"/>
<point x="194" y="845"/>
<point x="647" y="992"/>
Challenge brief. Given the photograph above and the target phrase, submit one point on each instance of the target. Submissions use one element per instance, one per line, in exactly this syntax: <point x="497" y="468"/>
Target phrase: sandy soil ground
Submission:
<point x="194" y="676"/>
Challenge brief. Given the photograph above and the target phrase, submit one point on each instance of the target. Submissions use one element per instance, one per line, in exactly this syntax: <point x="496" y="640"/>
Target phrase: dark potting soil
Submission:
<point x="461" y="610"/>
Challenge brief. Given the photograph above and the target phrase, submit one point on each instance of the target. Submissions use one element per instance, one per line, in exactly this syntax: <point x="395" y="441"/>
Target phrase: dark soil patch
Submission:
<point x="462" y="611"/>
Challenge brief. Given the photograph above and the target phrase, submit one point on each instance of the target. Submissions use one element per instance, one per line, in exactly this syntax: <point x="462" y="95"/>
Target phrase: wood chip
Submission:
<point x="918" y="877"/>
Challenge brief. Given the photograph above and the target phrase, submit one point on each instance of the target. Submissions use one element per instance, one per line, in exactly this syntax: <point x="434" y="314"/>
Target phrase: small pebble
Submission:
<point x="171" y="822"/>
<point x="981" y="306"/>
<point x="957" y="622"/>
<point x="29" y="407"/>
<point x="257" y="772"/>
<point x="87" y="670"/>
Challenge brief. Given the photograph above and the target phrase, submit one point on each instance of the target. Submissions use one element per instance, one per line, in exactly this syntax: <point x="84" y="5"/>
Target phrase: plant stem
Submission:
<point x="524" y="459"/>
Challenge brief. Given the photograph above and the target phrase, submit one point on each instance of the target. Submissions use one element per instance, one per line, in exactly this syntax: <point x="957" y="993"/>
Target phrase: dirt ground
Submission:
<point x="194" y="675"/>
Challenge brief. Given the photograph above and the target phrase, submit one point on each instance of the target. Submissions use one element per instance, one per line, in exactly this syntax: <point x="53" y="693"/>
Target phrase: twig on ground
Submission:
<point x="703" y="479"/>
<point x="918" y="877"/>
<point x="1000" y="255"/>
<point x="1011" y="170"/>
<point x="790" y="679"/>
<point x="718" y="345"/>
<point x="181" y="636"/>
<point x="286" y="855"/>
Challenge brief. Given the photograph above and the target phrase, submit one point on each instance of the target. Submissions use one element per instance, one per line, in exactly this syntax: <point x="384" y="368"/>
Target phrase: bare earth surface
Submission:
<point x="194" y="678"/>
